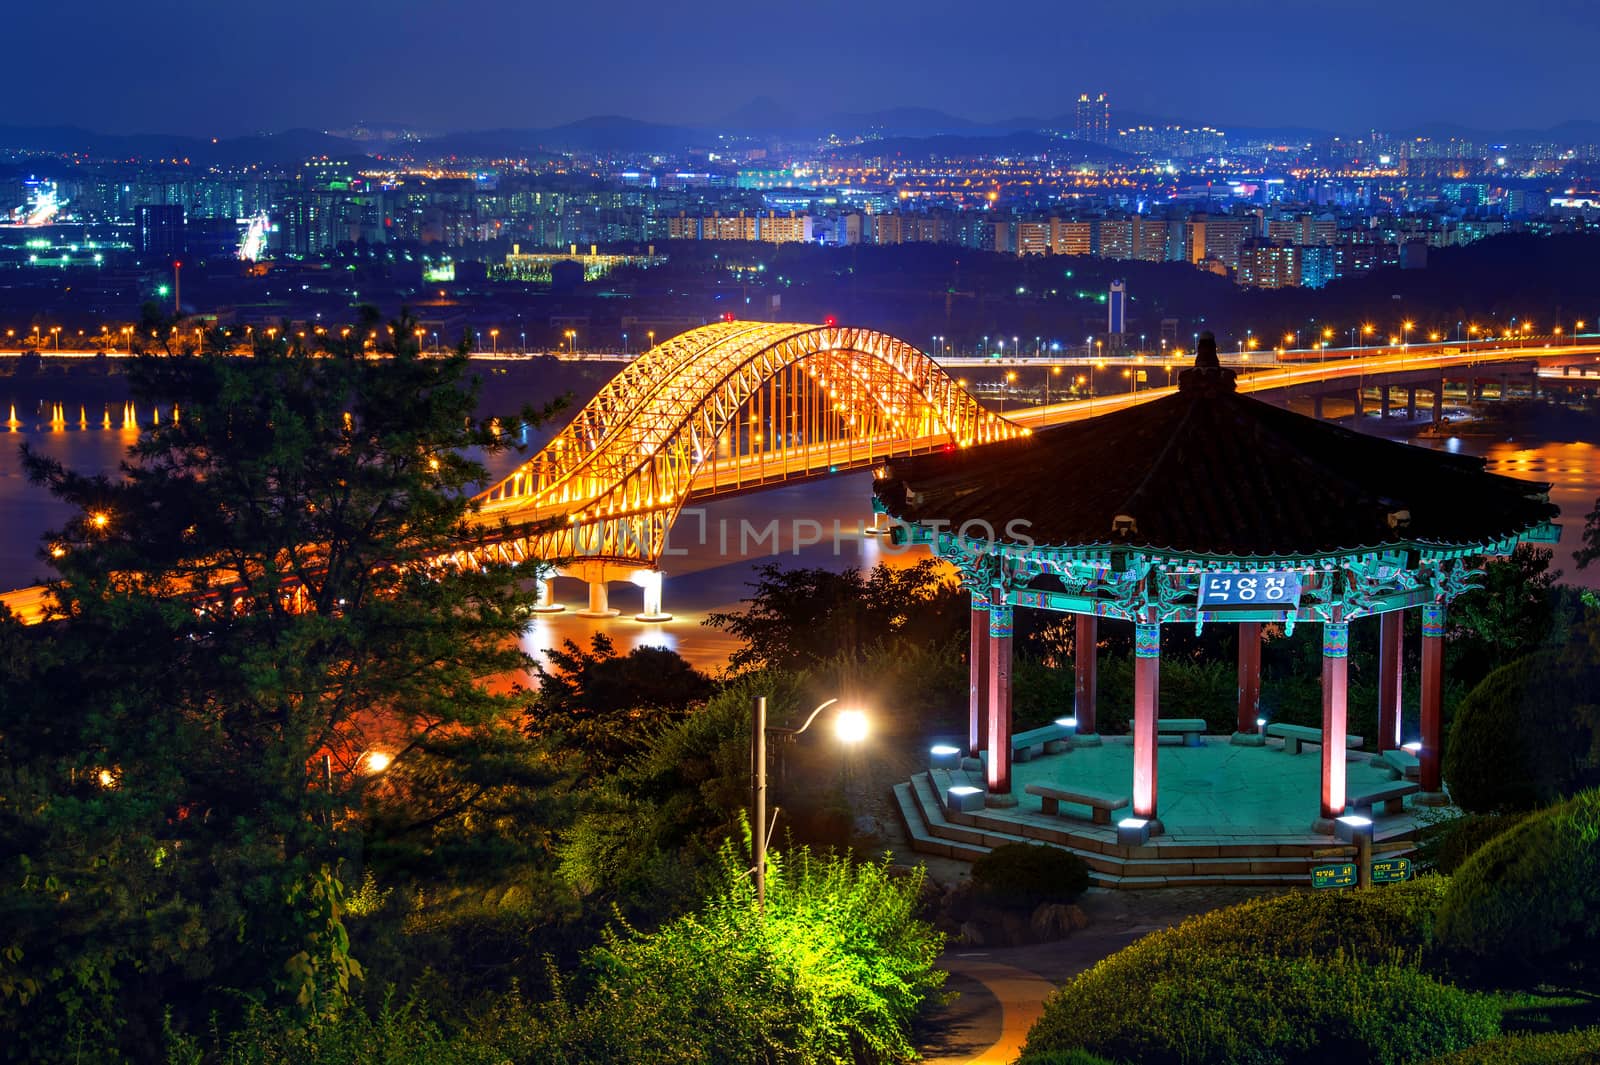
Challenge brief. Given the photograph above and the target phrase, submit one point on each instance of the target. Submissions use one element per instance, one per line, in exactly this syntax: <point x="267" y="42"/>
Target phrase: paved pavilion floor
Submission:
<point x="1216" y="789"/>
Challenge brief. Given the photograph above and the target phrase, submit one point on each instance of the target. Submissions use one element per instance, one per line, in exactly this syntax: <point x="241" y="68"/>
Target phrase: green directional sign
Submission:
<point x="1328" y="876"/>
<point x="1391" y="870"/>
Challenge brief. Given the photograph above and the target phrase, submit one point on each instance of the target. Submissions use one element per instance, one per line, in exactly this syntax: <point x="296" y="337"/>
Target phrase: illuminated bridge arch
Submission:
<point x="722" y="409"/>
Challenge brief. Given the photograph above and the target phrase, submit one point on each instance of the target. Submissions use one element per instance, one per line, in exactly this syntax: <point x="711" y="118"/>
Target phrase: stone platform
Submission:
<point x="1232" y="814"/>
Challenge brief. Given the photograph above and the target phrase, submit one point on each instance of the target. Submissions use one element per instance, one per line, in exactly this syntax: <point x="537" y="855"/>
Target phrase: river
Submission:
<point x="818" y="524"/>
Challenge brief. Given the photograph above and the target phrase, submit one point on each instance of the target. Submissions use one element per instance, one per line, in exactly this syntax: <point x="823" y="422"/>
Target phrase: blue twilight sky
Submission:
<point x="224" y="67"/>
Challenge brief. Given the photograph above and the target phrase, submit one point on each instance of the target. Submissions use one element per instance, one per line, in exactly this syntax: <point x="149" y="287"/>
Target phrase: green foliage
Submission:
<point x="1313" y="977"/>
<point x="232" y="740"/>
<point x="1444" y="846"/>
<point x="1024" y="875"/>
<point x="1509" y="615"/>
<point x="601" y="708"/>
<point x="1063" y="1057"/>
<point x="1589" y="550"/>
<point x="1528" y="734"/>
<point x="1543" y="1048"/>
<point x="1166" y="1000"/>
<point x="801" y="618"/>
<point x="1528" y="902"/>
<point x="643" y="833"/>
<point x="405" y="1033"/>
<point x="834" y="971"/>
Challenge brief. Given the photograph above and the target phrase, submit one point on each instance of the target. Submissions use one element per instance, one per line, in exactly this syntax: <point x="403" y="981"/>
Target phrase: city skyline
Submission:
<point x="1256" y="65"/>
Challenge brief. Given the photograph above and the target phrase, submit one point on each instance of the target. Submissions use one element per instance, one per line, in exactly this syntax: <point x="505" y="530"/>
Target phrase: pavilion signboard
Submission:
<point x="1250" y="590"/>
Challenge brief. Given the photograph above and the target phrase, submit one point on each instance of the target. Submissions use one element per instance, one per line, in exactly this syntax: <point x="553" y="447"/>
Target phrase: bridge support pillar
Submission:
<point x="1335" y="687"/>
<point x="599" y="602"/>
<point x="1438" y="401"/>
<point x="1411" y="403"/>
<point x="1316" y="407"/>
<point x="1361" y="404"/>
<point x="1383" y="402"/>
<point x="650" y="581"/>
<point x="547" y="597"/>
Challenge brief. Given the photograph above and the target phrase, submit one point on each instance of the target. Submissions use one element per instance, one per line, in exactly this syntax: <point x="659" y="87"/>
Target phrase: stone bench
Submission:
<point x="1047" y="739"/>
<point x="1391" y="796"/>
<point x="1294" y="736"/>
<point x="1189" y="728"/>
<point x="1401" y="764"/>
<point x="1100" y="803"/>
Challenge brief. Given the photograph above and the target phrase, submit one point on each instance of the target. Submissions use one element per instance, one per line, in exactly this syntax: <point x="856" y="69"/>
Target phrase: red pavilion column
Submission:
<point x="1249" y="680"/>
<point x="1335" y="677"/>
<point x="978" y="674"/>
<point x="1084" y="693"/>
<point x="1432" y="691"/>
<point x="999" y="768"/>
<point x="1146" y="697"/>
<point x="1391" y="636"/>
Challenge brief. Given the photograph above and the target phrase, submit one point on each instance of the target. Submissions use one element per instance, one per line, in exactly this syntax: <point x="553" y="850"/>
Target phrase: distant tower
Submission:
<point x="1094" y="118"/>
<point x="1117" y="312"/>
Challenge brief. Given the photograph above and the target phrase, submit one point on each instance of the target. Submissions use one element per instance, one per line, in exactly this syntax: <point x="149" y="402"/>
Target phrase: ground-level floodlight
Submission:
<point x="1133" y="831"/>
<point x="964" y="798"/>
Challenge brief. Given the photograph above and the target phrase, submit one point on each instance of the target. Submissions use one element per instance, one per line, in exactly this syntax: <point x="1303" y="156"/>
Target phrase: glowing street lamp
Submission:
<point x="494" y="341"/>
<point x="850" y="726"/>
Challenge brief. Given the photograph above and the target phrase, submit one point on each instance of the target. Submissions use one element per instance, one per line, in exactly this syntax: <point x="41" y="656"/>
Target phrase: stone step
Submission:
<point x="923" y="841"/>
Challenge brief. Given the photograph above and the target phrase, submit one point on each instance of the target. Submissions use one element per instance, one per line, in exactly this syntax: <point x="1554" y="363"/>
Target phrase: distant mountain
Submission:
<point x="603" y="133"/>
<point x="897" y="121"/>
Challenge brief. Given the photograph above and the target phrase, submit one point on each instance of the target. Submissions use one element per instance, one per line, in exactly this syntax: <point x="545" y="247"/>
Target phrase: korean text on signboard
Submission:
<point x="1263" y="589"/>
<point x="1334" y="876"/>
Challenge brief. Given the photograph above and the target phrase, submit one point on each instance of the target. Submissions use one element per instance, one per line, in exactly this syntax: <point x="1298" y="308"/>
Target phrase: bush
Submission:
<point x="1446" y="845"/>
<point x="1306" y="977"/>
<point x="1024" y="875"/>
<point x="1545" y="1048"/>
<point x="1063" y="1057"/>
<point x="393" y="1034"/>
<point x="1525" y="736"/>
<point x="1529" y="901"/>
<point x="1164" y="1001"/>
<point x="834" y="970"/>
<point x="1372" y="926"/>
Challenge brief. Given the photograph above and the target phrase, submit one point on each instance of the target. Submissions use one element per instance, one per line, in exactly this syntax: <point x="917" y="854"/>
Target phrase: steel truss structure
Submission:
<point x="723" y="409"/>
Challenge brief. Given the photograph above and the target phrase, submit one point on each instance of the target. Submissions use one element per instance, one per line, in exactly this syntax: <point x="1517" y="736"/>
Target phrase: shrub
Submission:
<point x="1063" y="1057"/>
<point x="1299" y="977"/>
<point x="1373" y="926"/>
<point x="1023" y="875"/>
<point x="1525" y="736"/>
<point x="1529" y="901"/>
<point x="1544" y="1048"/>
<point x="834" y="970"/>
<point x="1164" y="1001"/>
<point x="1447" y="844"/>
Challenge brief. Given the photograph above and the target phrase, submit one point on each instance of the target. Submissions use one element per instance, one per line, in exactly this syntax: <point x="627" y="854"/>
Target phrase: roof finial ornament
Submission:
<point x="1208" y="374"/>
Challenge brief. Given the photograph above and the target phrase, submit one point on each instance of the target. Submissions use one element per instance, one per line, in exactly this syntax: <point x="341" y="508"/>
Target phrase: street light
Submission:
<point x="850" y="726"/>
<point x="494" y="342"/>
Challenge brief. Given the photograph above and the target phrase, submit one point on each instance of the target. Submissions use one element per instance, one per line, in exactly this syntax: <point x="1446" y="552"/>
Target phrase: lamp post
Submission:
<point x="851" y="727"/>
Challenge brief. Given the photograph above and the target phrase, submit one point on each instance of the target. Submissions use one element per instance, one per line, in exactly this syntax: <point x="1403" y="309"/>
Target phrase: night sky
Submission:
<point x="226" y="67"/>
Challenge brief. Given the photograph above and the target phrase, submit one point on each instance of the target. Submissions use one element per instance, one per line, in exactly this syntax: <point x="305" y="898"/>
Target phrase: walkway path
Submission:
<point x="1000" y="992"/>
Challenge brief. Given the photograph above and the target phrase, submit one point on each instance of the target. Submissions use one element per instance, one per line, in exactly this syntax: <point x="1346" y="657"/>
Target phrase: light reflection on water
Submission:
<point x="719" y="551"/>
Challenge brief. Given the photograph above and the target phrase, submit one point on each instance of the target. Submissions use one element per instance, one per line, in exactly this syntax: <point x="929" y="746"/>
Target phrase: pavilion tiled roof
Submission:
<point x="1209" y="471"/>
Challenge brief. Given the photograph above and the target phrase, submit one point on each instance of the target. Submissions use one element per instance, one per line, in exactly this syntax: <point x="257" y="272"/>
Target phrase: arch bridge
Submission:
<point x="718" y="410"/>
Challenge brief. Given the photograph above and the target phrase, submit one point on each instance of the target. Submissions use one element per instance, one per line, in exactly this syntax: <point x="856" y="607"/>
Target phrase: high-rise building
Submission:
<point x="1094" y="118"/>
<point x="159" y="231"/>
<point x="1117" y="309"/>
<point x="1268" y="264"/>
<point x="1071" y="238"/>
